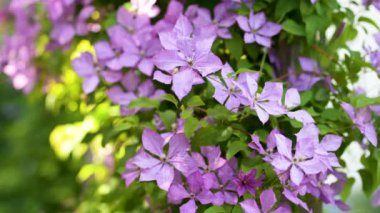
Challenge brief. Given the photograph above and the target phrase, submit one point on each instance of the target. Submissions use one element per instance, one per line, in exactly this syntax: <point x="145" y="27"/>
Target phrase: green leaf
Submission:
<point x="332" y="114"/>
<point x="235" y="45"/>
<point x="191" y="124"/>
<point x="293" y="27"/>
<point x="194" y="101"/>
<point x="236" y="146"/>
<point x="169" y="117"/>
<point x="215" y="209"/>
<point x="347" y="188"/>
<point x="363" y="101"/>
<point x="306" y="97"/>
<point x="221" y="113"/>
<point x="144" y="102"/>
<point x="171" y="98"/>
<point x="369" y="21"/>
<point x="210" y="135"/>
<point x="367" y="181"/>
<point x="283" y="7"/>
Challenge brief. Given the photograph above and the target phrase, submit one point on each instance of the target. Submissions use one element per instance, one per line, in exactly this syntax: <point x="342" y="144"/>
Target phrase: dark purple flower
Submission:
<point x="247" y="182"/>
<point x="194" y="192"/>
<point x="258" y="29"/>
<point x="159" y="165"/>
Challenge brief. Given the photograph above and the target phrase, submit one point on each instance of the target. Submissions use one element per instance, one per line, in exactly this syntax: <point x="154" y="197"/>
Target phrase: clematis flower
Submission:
<point x="143" y="50"/>
<point x="85" y="67"/>
<point x="325" y="151"/>
<point x="159" y="165"/>
<point x="292" y="197"/>
<point x="132" y="89"/>
<point x="302" y="162"/>
<point x="258" y="29"/>
<point x="269" y="152"/>
<point x="209" y="161"/>
<point x="172" y="14"/>
<point x="136" y="26"/>
<point x="131" y="173"/>
<point x="247" y="183"/>
<point x="292" y="100"/>
<point x="311" y="74"/>
<point x="113" y="53"/>
<point x="376" y="198"/>
<point x="362" y="118"/>
<point x="195" y="192"/>
<point x="375" y="3"/>
<point x="265" y="104"/>
<point x="228" y="93"/>
<point x="184" y="58"/>
<point x="177" y="127"/>
<point x="226" y="188"/>
<point x="267" y="200"/>
<point x="219" y="25"/>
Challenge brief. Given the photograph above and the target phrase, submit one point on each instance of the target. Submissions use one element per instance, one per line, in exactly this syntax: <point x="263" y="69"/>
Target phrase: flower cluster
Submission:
<point x="18" y="51"/>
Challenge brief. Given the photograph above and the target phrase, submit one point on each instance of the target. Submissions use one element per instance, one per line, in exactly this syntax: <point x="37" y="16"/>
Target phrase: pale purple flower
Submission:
<point x="136" y="26"/>
<point x="292" y="197"/>
<point x="375" y="3"/>
<point x="85" y="67"/>
<point x="158" y="164"/>
<point x="194" y="192"/>
<point x="311" y="74"/>
<point x="208" y="162"/>
<point x="113" y="54"/>
<point x="143" y="50"/>
<point x="362" y="118"/>
<point x="177" y="127"/>
<point x="227" y="92"/>
<point x="172" y="14"/>
<point x="376" y="198"/>
<point x="300" y="163"/>
<point x="325" y="151"/>
<point x="269" y="152"/>
<point x="247" y="182"/>
<point x="292" y="100"/>
<point x="226" y="188"/>
<point x="131" y="173"/>
<point x="257" y="29"/>
<point x="268" y="102"/>
<point x="184" y="58"/>
<point x="267" y="202"/>
<point x="132" y="89"/>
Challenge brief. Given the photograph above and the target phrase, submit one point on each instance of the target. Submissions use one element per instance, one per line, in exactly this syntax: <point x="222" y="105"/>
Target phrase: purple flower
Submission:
<point x="311" y="74"/>
<point x="173" y="12"/>
<point x="270" y="142"/>
<point x="143" y="50"/>
<point x="158" y="165"/>
<point x="375" y="3"/>
<point x="247" y="182"/>
<point x="134" y="89"/>
<point x="132" y="172"/>
<point x="265" y="104"/>
<point x="258" y="29"/>
<point x="362" y="118"/>
<point x="376" y="198"/>
<point x="324" y="151"/>
<point x="226" y="188"/>
<point x="302" y="162"/>
<point x="209" y="161"/>
<point x="228" y="93"/>
<point x="195" y="192"/>
<point x="113" y="53"/>
<point x="292" y="100"/>
<point x="184" y="58"/>
<point x="85" y="67"/>
<point x="267" y="200"/>
<point x="292" y="197"/>
<point x="136" y="26"/>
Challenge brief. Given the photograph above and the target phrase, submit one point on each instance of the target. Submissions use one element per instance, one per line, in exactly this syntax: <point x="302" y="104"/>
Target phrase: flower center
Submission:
<point x="190" y="61"/>
<point x="176" y="70"/>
